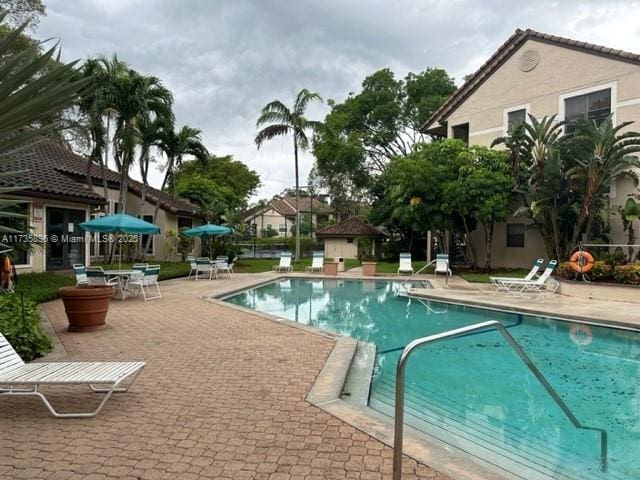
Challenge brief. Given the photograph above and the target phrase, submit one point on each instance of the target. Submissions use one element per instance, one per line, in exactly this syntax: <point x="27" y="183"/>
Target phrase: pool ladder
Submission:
<point x="408" y="279"/>
<point x="398" y="431"/>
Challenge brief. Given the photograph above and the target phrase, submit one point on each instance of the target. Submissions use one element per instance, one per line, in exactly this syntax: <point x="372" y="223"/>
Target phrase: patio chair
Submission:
<point x="81" y="274"/>
<point x="503" y="283"/>
<point x="20" y="379"/>
<point x="442" y="266"/>
<point x="317" y="262"/>
<point x="146" y="281"/>
<point x="285" y="263"/>
<point x="204" y="265"/>
<point x="545" y="283"/>
<point x="223" y="266"/>
<point x="96" y="276"/>
<point x="193" y="267"/>
<point x="405" y="264"/>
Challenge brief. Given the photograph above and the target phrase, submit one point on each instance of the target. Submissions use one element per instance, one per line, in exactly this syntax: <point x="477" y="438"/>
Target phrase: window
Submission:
<point x="20" y="253"/>
<point x="143" y="238"/>
<point x="594" y="106"/>
<point x="185" y="222"/>
<point x="461" y="132"/>
<point x="282" y="228"/>
<point x="515" y="118"/>
<point x="515" y="234"/>
<point x="96" y="246"/>
<point x="349" y="240"/>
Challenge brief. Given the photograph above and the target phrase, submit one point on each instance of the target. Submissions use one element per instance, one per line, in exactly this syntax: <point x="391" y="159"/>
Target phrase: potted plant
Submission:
<point x="86" y="306"/>
<point x="331" y="268"/>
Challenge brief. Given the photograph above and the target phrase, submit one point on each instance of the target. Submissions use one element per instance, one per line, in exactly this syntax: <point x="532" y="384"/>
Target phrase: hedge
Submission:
<point x="20" y="324"/>
<point x="628" y="274"/>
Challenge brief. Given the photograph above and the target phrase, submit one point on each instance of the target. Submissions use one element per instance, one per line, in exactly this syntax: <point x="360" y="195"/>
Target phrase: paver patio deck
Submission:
<point x="222" y="396"/>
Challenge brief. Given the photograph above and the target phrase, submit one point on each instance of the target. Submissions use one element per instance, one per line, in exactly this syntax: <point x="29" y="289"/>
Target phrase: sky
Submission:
<point x="225" y="59"/>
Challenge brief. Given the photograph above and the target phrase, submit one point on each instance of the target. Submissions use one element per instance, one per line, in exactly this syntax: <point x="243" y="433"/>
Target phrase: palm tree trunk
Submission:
<point x="295" y="154"/>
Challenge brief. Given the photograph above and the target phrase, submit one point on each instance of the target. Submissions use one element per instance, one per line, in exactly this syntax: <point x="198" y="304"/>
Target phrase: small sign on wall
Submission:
<point x="38" y="213"/>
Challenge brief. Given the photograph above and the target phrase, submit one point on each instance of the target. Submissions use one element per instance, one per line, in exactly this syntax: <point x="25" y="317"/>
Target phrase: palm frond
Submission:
<point x="270" y="132"/>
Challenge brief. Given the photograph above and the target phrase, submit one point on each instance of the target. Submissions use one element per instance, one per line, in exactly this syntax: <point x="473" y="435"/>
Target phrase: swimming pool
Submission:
<point x="473" y="392"/>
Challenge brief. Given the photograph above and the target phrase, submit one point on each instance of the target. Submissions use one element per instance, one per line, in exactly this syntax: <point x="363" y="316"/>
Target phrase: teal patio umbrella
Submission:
<point x="208" y="229"/>
<point x="120" y="223"/>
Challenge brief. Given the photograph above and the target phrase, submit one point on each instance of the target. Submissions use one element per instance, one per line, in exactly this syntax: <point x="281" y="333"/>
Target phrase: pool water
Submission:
<point x="473" y="392"/>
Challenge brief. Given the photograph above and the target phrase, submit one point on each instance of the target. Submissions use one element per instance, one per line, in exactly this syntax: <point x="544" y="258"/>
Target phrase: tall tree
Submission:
<point x="282" y="120"/>
<point x="382" y="121"/>
<point x="19" y="12"/>
<point x="137" y="99"/>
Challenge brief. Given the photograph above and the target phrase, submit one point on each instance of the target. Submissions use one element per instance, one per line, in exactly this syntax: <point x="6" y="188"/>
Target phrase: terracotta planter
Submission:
<point x="368" y="269"/>
<point x="86" y="306"/>
<point x="331" y="268"/>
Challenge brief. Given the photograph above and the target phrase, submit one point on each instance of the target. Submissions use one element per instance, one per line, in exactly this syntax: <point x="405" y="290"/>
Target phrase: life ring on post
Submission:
<point x="581" y="261"/>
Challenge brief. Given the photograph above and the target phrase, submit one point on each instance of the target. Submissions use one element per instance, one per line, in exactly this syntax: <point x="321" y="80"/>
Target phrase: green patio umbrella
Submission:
<point x="208" y="229"/>
<point x="120" y="223"/>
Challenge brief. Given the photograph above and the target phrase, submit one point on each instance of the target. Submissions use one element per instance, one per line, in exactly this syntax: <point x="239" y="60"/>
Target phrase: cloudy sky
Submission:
<point x="224" y="59"/>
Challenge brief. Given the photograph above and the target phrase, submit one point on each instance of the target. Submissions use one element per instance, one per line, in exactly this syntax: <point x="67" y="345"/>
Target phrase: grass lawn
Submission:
<point x="42" y="287"/>
<point x="387" y="268"/>
<point x="167" y="269"/>
<point x="479" y="277"/>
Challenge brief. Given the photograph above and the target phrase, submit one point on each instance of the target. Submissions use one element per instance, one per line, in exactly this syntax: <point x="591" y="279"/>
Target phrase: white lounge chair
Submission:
<point x="405" y="264"/>
<point x="545" y="283"/>
<point x="144" y="282"/>
<point x="317" y="263"/>
<point x="503" y="283"/>
<point x="442" y="266"/>
<point x="20" y="379"/>
<point x="204" y="265"/>
<point x="285" y="263"/>
<point x="81" y="274"/>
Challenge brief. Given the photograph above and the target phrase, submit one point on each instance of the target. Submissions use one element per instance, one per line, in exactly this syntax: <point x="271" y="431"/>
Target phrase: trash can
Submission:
<point x="340" y="261"/>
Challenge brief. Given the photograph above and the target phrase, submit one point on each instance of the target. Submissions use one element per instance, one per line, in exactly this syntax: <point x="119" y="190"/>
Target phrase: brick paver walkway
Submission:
<point x="222" y="396"/>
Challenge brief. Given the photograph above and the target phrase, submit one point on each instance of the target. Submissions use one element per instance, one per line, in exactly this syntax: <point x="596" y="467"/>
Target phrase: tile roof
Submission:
<point x="286" y="206"/>
<point x="352" y="226"/>
<point x="505" y="51"/>
<point x="54" y="170"/>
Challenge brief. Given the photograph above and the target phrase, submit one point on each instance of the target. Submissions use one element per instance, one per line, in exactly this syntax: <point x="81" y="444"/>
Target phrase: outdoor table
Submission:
<point x="122" y="276"/>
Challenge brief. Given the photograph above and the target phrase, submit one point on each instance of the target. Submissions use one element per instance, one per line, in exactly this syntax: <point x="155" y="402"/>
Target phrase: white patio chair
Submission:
<point x="223" y="267"/>
<point x="545" y="283"/>
<point x="285" y="263"/>
<point x="405" y="264"/>
<point x="503" y="283"/>
<point x="81" y="274"/>
<point x="193" y="268"/>
<point x="317" y="263"/>
<point x="442" y="264"/>
<point x="96" y="276"/>
<point x="145" y="282"/>
<point x="204" y="265"/>
<point x="20" y="379"/>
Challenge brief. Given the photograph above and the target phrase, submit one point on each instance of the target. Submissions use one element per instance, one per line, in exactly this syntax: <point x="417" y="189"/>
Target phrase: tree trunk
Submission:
<point x="295" y="154"/>
<point x="630" y="240"/>
<point x="470" y="249"/>
<point x="488" y="240"/>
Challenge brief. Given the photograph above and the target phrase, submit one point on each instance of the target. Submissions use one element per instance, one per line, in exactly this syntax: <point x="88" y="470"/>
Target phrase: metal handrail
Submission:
<point x="489" y="325"/>
<point x="416" y="273"/>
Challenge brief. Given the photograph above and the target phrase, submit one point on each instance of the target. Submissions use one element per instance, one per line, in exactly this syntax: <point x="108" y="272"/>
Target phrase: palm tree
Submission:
<point x="137" y="100"/>
<point x="96" y="104"/>
<point x="175" y="145"/>
<point x="284" y="121"/>
<point x="605" y="155"/>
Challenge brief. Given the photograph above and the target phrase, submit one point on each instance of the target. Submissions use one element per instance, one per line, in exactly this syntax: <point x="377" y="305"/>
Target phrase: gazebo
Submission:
<point x="340" y="240"/>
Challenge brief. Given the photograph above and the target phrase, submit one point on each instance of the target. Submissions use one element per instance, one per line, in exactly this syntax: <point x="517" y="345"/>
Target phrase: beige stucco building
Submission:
<point x="341" y="239"/>
<point x="56" y="198"/>
<point x="541" y="75"/>
<point x="277" y="217"/>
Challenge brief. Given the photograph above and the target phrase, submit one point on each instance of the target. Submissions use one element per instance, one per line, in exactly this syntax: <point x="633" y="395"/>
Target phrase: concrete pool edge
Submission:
<point x="328" y="387"/>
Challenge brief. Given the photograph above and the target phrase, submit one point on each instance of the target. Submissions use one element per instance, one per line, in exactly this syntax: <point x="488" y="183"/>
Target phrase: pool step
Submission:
<point x="508" y="446"/>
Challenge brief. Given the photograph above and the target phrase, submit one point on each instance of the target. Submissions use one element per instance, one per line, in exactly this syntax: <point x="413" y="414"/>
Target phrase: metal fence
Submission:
<point x="262" y="250"/>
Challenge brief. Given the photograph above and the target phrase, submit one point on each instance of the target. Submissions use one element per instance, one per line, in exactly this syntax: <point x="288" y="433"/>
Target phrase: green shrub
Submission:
<point x="20" y="324"/>
<point x="627" y="274"/>
<point x="600" y="272"/>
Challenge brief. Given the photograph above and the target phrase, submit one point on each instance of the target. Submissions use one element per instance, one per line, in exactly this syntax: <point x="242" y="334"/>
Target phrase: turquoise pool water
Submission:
<point x="474" y="392"/>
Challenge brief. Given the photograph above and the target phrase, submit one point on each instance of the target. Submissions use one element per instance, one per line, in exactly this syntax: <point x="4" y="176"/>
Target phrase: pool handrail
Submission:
<point x="416" y="273"/>
<point x="398" y="429"/>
